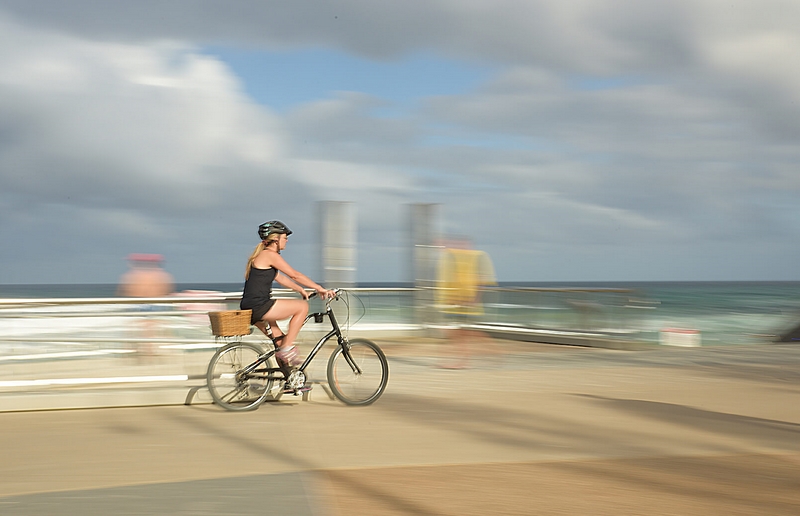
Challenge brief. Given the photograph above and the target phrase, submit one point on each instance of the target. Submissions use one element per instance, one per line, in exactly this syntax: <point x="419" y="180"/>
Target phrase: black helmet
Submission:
<point x="270" y="228"/>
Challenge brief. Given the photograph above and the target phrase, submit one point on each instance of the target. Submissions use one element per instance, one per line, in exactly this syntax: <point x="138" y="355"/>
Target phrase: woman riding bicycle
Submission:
<point x="265" y="266"/>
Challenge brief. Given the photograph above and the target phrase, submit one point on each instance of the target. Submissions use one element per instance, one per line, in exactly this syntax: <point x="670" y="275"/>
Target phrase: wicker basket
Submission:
<point x="230" y="323"/>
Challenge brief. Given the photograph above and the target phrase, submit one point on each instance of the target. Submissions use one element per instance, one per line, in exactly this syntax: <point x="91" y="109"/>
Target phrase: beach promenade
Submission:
<point x="524" y="429"/>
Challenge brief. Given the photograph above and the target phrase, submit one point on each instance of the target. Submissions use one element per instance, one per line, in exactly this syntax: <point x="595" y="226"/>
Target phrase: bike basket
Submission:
<point x="230" y="323"/>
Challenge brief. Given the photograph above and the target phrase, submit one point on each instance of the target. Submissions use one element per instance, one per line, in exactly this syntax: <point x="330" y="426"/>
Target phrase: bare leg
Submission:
<point x="459" y="342"/>
<point x="293" y="309"/>
<point x="276" y="331"/>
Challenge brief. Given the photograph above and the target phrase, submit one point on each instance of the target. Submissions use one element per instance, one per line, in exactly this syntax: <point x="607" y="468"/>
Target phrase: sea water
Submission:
<point x="719" y="313"/>
<point x="727" y="313"/>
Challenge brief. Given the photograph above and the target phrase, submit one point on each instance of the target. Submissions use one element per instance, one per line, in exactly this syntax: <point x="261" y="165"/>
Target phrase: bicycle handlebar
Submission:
<point x="335" y="291"/>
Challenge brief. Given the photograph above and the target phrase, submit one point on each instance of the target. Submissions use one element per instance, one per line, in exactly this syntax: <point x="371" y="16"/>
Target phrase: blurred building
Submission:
<point x="425" y="249"/>
<point x="339" y="233"/>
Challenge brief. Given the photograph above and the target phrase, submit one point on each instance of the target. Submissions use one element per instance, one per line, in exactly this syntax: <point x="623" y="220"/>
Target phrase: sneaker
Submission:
<point x="289" y="356"/>
<point x="289" y="390"/>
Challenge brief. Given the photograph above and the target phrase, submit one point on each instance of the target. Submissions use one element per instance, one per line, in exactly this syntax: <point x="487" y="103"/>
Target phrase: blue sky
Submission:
<point x="286" y="79"/>
<point x="605" y="140"/>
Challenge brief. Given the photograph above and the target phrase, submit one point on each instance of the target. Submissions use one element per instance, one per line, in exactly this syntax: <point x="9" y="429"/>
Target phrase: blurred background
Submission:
<point x="628" y="173"/>
<point x="484" y="177"/>
<point x="605" y="141"/>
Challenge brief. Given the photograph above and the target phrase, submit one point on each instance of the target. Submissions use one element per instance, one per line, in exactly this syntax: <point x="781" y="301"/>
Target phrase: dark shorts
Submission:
<point x="259" y="311"/>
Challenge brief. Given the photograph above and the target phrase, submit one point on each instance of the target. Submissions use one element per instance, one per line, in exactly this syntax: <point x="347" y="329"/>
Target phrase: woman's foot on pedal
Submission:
<point x="289" y="357"/>
<point x="288" y="390"/>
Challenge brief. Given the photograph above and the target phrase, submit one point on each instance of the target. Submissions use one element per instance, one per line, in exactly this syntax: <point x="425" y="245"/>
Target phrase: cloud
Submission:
<point x="605" y="124"/>
<point x="125" y="124"/>
<point x="129" y="140"/>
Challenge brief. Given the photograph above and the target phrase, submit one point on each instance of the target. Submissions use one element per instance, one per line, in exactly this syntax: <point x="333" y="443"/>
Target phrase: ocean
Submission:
<point x="719" y="313"/>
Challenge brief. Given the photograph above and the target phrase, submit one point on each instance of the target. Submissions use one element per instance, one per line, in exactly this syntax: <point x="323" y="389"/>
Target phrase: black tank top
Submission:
<point x="258" y="287"/>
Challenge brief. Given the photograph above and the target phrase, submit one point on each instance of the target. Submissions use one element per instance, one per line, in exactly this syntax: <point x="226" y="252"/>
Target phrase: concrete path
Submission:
<point x="524" y="430"/>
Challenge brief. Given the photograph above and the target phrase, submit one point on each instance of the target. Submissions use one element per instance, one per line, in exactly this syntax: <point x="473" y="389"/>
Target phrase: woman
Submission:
<point x="265" y="266"/>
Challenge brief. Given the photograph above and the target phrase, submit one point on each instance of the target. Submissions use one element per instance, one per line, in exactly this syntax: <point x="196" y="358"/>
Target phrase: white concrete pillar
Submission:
<point x="338" y="241"/>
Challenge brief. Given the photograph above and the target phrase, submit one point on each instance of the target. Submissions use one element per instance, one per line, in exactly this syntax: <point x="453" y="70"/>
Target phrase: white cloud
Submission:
<point x="608" y="123"/>
<point x="125" y="119"/>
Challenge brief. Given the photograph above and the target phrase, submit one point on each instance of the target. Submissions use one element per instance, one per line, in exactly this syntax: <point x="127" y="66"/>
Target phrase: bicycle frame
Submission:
<point x="318" y="317"/>
<point x="335" y="330"/>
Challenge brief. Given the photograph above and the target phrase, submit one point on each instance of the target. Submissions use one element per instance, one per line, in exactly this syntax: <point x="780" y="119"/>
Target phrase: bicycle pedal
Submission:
<point x="300" y="390"/>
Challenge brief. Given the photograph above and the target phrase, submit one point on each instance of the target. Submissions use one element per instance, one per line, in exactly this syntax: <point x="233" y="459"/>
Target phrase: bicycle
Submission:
<point x="241" y="375"/>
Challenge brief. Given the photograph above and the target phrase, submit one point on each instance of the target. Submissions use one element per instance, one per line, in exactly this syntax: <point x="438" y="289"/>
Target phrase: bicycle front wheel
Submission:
<point x="230" y="385"/>
<point x="358" y="374"/>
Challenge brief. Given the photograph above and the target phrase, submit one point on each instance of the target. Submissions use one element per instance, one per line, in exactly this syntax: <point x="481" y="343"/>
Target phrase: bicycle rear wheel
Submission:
<point x="358" y="375"/>
<point x="232" y="388"/>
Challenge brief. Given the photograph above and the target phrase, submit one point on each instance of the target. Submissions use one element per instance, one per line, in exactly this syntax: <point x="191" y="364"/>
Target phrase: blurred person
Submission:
<point x="462" y="272"/>
<point x="264" y="267"/>
<point x="145" y="279"/>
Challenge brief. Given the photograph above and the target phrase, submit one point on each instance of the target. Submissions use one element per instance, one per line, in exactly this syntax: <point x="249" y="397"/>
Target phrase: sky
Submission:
<point x="580" y="141"/>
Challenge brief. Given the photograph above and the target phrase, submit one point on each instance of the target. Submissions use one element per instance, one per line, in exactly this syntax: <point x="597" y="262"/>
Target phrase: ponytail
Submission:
<point x="260" y="247"/>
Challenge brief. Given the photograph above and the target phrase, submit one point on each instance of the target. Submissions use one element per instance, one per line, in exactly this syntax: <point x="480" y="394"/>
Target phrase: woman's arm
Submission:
<point x="295" y="276"/>
<point x="282" y="279"/>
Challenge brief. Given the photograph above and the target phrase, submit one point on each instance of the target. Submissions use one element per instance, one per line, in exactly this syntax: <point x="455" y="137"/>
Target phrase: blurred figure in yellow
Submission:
<point x="462" y="272"/>
<point x="145" y="279"/>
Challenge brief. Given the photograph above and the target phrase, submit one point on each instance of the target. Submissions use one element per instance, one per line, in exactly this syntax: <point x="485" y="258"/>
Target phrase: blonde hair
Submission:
<point x="260" y="247"/>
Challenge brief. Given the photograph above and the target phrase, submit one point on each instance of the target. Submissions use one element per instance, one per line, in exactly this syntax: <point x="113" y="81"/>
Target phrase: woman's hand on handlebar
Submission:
<point x="326" y="294"/>
<point x="323" y="294"/>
